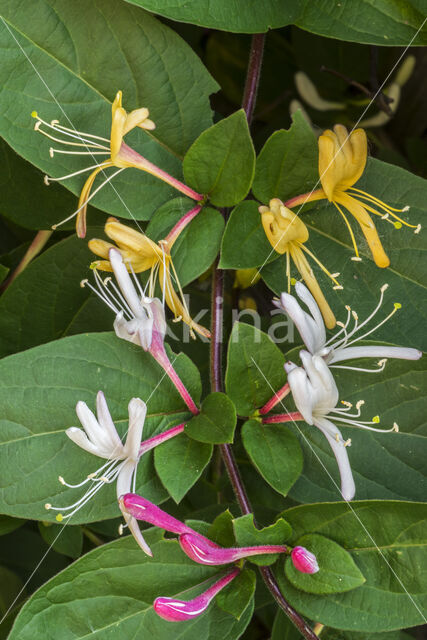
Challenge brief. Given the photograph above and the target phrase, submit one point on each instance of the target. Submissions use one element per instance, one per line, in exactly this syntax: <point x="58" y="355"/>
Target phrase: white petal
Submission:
<point x="106" y="421"/>
<point x="304" y="294"/>
<point x="124" y="281"/>
<point x="298" y="382"/>
<point x="158" y="312"/>
<point x="299" y="317"/>
<point x="80" y="438"/>
<point x="126" y="329"/>
<point x="145" y="334"/>
<point x="348" y="488"/>
<point x="137" y="412"/>
<point x="136" y="532"/>
<point x="95" y="432"/>
<point x="350" y="353"/>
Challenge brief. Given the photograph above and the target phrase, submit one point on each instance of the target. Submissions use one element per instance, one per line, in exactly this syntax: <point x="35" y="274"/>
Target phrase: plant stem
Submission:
<point x="217" y="310"/>
<point x="253" y="75"/>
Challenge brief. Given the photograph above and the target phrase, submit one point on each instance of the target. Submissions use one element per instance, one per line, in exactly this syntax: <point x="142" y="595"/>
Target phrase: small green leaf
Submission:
<point x="197" y="246"/>
<point x="216" y="421"/>
<point x="237" y="595"/>
<point x="179" y="463"/>
<point x="254" y="368"/>
<point x="247" y="535"/>
<point x="66" y="540"/>
<point x="337" y="570"/>
<point x="287" y="164"/>
<point x="244" y="243"/>
<point x="8" y="524"/>
<point x="276" y="453"/>
<point x="221" y="530"/>
<point x="221" y="162"/>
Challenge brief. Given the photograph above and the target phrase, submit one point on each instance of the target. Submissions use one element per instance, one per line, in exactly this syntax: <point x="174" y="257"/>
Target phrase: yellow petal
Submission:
<point x="84" y="195"/>
<point x="135" y="119"/>
<point x="368" y="228"/>
<point x="309" y="278"/>
<point x="117" y="131"/>
<point x="327" y="166"/>
<point x="147" y="252"/>
<point x="342" y="158"/>
<point x="100" y="247"/>
<point x="282" y="226"/>
<point x="117" y="103"/>
<point x="102" y="265"/>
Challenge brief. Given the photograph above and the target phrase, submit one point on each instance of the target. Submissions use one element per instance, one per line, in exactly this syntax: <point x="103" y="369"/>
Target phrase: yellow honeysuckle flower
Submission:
<point x="342" y="160"/>
<point x="245" y="278"/>
<point x="120" y="155"/>
<point x="140" y="254"/>
<point x="287" y="234"/>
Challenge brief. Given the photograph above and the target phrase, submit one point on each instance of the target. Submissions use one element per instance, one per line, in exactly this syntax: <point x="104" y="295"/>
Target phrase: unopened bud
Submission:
<point x="303" y="560"/>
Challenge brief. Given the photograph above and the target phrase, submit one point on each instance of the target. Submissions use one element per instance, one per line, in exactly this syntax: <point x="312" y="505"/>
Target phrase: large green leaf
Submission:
<point x="287" y="163"/>
<point x="50" y="65"/>
<point x="373" y="22"/>
<point x="109" y="593"/>
<point x="254" y="368"/>
<point x="216" y="421"/>
<point x="387" y="541"/>
<point x="40" y="388"/>
<point x="46" y="299"/>
<point x="275" y="452"/>
<point x="221" y="162"/>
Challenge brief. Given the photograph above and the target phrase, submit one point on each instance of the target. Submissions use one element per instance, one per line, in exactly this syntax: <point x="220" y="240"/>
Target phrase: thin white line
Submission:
<point x="69" y="521"/>
<point x="339" y="149"/>
<point x="68" y="119"/>
<point x="346" y="501"/>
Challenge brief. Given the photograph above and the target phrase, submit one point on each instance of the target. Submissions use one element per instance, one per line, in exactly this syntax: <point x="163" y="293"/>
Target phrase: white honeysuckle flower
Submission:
<point x="340" y="346"/>
<point x="140" y="319"/>
<point x="316" y="397"/>
<point x="100" y="438"/>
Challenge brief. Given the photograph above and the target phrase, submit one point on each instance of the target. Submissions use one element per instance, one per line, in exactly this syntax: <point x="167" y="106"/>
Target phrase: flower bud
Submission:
<point x="304" y="561"/>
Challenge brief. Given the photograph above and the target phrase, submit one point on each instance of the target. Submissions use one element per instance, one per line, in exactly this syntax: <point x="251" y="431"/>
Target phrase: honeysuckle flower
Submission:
<point x="120" y="155"/>
<point x="140" y="254"/>
<point x="316" y="397"/>
<point x="308" y="91"/>
<point x="139" y="318"/>
<point x="342" y="160"/>
<point x="303" y="560"/>
<point x="203" y="551"/>
<point x="341" y="346"/>
<point x="100" y="438"/>
<point x="179" y="610"/>
<point x="287" y="234"/>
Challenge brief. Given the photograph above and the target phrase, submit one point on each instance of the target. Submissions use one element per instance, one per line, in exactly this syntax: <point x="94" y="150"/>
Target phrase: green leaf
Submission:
<point x="247" y="535"/>
<point x="7" y="524"/>
<point x="221" y="162"/>
<point x="368" y="21"/>
<point x="275" y="452"/>
<point x="66" y="540"/>
<point x="180" y="462"/>
<point x="197" y="246"/>
<point x="11" y="587"/>
<point x="46" y="299"/>
<point x="237" y="595"/>
<point x="254" y="368"/>
<point x="337" y="570"/>
<point x="216" y="421"/>
<point x="77" y="83"/>
<point x="3" y="272"/>
<point x="287" y="163"/>
<point x="245" y="244"/>
<point x="39" y="393"/>
<point x="221" y="530"/>
<point x="385" y="465"/>
<point x="110" y="591"/>
<point x="387" y="540"/>
<point x="283" y="628"/>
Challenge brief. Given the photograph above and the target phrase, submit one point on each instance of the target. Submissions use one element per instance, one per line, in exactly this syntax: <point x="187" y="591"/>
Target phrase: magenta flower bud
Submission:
<point x="179" y="610"/>
<point x="304" y="561"/>
<point x="204" y="551"/>
<point x="143" y="509"/>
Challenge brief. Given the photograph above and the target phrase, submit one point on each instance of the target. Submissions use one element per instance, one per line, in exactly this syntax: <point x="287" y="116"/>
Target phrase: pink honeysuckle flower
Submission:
<point x="303" y="560"/>
<point x="340" y="347"/>
<point x="180" y="610"/>
<point x="316" y="397"/>
<point x="139" y="319"/>
<point x="100" y="438"/>
<point x="203" y="551"/>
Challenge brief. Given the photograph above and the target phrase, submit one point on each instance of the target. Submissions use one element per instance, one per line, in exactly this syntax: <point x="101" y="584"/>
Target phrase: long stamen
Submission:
<point x="388" y="213"/>
<point x="332" y="276"/>
<point x="92" y="195"/>
<point x="381" y="367"/>
<point x="48" y="179"/>
<point x="396" y="307"/>
<point x="118" y="293"/>
<point x="89" y="478"/>
<point x="356" y="257"/>
<point x="52" y="152"/>
<point x="77" y="135"/>
<point x="342" y="325"/>
<point x="73" y="131"/>
<point x="105" y="300"/>
<point x="86" y="144"/>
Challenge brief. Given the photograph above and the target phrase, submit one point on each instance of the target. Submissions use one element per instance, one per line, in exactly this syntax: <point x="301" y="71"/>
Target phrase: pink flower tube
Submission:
<point x="180" y="610"/>
<point x="204" y="551"/>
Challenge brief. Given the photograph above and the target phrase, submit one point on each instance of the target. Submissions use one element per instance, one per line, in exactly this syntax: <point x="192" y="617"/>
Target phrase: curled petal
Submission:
<point x="335" y="439"/>
<point x="80" y="439"/>
<point x="137" y="412"/>
<point x="349" y="353"/>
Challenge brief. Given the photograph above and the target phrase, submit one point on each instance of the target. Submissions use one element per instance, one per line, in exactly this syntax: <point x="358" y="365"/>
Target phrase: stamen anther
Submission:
<point x="47" y="505"/>
<point x="384" y="287"/>
<point x="418" y="229"/>
<point x="376" y="419"/>
<point x="83" y="283"/>
<point x="61" y="480"/>
<point x="356" y="259"/>
<point x="395" y="427"/>
<point x="46" y="181"/>
<point x="359" y="404"/>
<point x="34" y="114"/>
<point x="347" y="443"/>
<point x="51" y="152"/>
<point x="397" y="305"/>
<point x="59" y="517"/>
